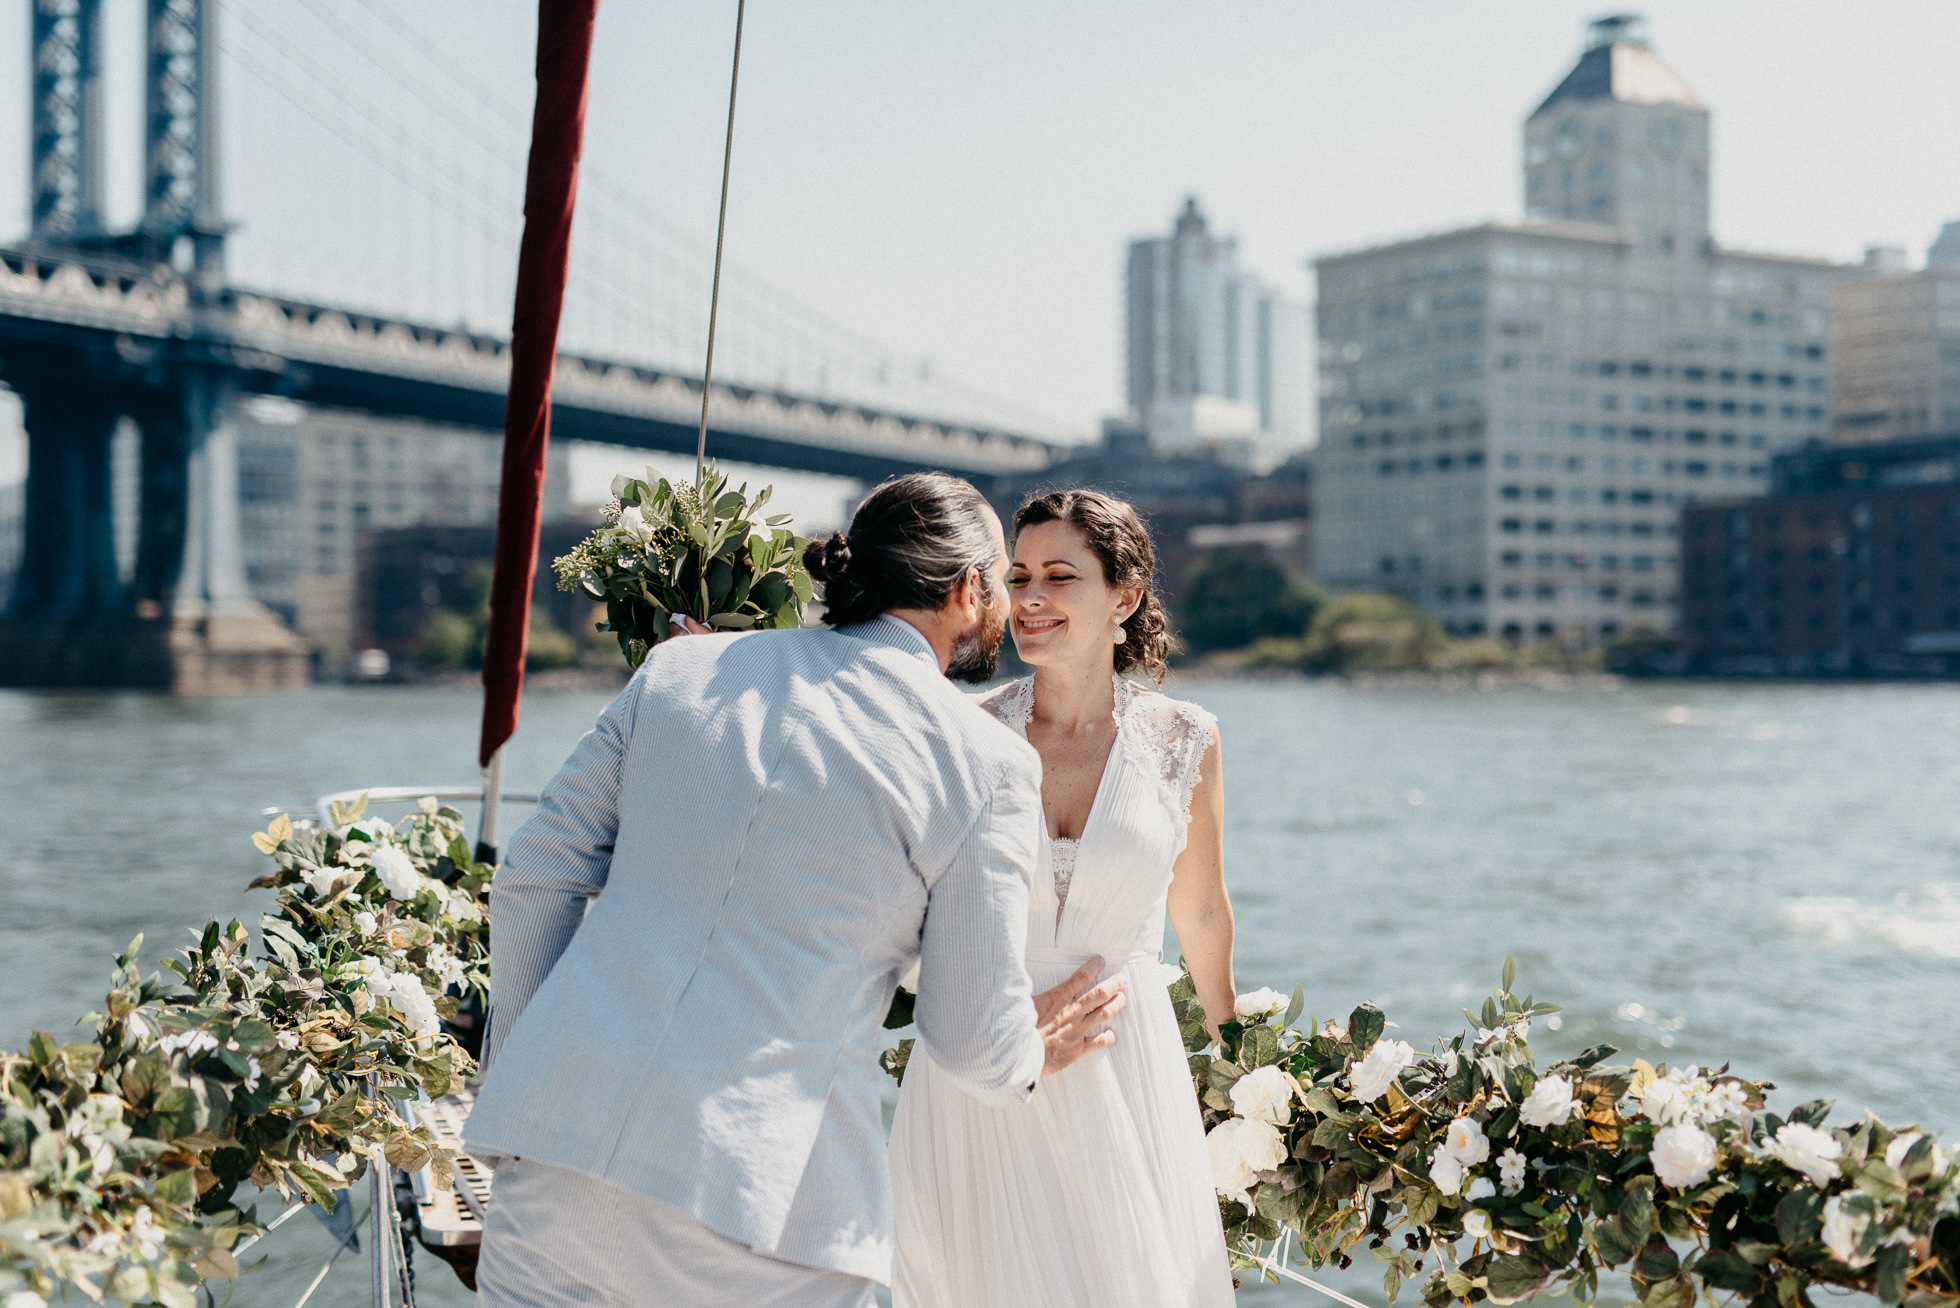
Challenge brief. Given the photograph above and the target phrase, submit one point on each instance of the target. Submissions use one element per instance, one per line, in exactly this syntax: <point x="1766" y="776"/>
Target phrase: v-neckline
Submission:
<point x="1102" y="779"/>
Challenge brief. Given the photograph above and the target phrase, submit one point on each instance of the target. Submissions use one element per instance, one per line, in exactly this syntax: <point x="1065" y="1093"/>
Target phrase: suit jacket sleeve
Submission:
<point x="557" y="862"/>
<point x="976" y="1003"/>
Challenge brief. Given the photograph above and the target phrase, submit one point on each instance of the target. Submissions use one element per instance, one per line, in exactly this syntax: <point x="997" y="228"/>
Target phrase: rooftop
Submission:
<point x="1620" y="65"/>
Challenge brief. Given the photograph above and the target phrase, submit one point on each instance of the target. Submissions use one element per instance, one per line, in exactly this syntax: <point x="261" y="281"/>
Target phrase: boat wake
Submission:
<point x="1924" y="921"/>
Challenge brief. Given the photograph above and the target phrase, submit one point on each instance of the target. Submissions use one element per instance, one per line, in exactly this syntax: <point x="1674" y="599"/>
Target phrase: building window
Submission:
<point x="1543" y="493"/>
<point x="1511" y="525"/>
<point x="1696" y="468"/>
<point x="1543" y="526"/>
<point x="1545" y="590"/>
<point x="1512" y="492"/>
<point x="1512" y="591"/>
<point x="1511" y="559"/>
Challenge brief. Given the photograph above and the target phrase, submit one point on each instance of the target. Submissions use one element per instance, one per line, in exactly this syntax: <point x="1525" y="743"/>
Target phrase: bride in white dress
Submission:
<point x="1097" y="1192"/>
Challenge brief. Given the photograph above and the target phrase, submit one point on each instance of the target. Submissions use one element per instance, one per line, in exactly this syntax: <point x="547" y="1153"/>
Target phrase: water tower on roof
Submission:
<point x="1621" y="141"/>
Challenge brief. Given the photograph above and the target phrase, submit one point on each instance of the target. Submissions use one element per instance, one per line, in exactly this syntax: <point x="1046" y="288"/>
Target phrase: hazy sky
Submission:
<point x="958" y="180"/>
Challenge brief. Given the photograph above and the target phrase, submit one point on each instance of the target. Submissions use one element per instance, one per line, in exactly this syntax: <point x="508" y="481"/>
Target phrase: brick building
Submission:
<point x="1849" y="566"/>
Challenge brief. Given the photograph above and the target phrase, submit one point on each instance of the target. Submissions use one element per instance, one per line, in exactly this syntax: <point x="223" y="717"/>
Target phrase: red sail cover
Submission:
<point x="550" y="186"/>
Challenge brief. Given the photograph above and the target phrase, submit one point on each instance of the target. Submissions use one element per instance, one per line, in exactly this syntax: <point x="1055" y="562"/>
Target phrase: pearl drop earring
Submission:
<point x="1119" y="635"/>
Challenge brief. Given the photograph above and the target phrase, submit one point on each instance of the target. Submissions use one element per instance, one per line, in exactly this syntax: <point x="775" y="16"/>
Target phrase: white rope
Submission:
<point x="272" y="1226"/>
<point x="1275" y="1262"/>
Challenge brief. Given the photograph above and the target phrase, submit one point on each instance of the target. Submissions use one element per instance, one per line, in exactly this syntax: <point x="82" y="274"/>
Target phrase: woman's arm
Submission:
<point x="1200" y="910"/>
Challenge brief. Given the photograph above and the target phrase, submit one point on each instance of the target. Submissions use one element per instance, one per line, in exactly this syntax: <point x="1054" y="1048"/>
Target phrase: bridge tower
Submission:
<point x="186" y="618"/>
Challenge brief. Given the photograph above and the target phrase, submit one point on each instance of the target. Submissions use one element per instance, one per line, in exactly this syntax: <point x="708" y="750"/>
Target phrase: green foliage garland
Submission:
<point x="283" y="1065"/>
<point x="704" y="552"/>
<point x="1557" y="1175"/>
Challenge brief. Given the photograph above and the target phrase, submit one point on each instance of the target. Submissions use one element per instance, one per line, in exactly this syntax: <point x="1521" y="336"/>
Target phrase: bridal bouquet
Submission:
<point x="1556" y="1174"/>
<point x="282" y="1064"/>
<point x="703" y="552"/>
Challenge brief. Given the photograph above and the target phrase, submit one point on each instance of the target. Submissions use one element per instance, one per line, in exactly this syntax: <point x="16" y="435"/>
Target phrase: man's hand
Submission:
<point x="1069" y="1015"/>
<point x="682" y="625"/>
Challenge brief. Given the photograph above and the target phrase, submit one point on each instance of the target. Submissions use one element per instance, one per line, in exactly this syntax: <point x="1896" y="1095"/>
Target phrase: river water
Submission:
<point x="1761" y="874"/>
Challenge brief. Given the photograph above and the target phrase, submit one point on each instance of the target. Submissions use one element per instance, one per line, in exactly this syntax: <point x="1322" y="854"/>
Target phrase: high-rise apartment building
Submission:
<point x="1215" y="356"/>
<point x="312" y="481"/>
<point x="1895" y="346"/>
<point x="1513" y="415"/>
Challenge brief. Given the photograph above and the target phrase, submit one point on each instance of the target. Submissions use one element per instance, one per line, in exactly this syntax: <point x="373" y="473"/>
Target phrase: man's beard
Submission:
<point x="976" y="653"/>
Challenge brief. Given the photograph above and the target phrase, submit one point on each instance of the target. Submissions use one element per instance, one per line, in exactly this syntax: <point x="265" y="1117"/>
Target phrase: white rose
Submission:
<point x="1803" y="1148"/>
<point x="1264" y="1095"/>
<point x="1476" y="1224"/>
<point x="1510" y="1170"/>
<point x="1842" y="1232"/>
<point x="1550" y="1103"/>
<point x="1665" y="1098"/>
<point x="632" y="520"/>
<point x="1240" y="1149"/>
<point x="29" y="1299"/>
<point x="1385" y="1061"/>
<point x="1466" y="1142"/>
<point x="1446" y="1172"/>
<point x="1261" y="1003"/>
<point x="1480" y="1188"/>
<point x="365" y="922"/>
<point x="1683" y="1155"/>
<point x="397" y="871"/>
<point x="1895" y="1153"/>
<point x="410" y="1000"/>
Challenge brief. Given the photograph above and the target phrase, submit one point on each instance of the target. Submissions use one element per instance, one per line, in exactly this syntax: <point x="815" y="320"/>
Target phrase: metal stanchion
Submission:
<point x="381" y="1209"/>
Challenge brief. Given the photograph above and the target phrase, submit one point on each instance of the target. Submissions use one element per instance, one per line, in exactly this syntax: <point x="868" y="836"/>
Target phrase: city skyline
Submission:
<point x="1829" y="130"/>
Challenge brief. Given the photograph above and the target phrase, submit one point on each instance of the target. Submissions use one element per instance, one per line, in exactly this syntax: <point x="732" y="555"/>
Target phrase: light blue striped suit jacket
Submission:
<point x="696" y="936"/>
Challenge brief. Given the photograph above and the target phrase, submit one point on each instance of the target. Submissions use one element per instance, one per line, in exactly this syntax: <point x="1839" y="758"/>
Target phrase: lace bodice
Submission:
<point x="1114" y="878"/>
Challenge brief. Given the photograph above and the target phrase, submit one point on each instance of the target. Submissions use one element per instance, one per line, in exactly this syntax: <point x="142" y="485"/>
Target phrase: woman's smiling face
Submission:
<point x="1063" y="610"/>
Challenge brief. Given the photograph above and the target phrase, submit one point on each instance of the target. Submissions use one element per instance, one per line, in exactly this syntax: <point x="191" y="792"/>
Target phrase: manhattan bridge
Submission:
<point x="150" y="325"/>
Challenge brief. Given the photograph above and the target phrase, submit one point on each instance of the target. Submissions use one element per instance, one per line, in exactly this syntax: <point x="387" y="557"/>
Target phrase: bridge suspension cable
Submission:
<point x="640" y="282"/>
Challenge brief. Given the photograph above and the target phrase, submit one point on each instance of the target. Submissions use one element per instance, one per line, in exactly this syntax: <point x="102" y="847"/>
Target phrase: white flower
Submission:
<point x="1476" y="1224"/>
<point x="1683" y="1155"/>
<point x="101" y="1155"/>
<point x="1241" y="1148"/>
<point x="632" y="520"/>
<point x="192" y="1044"/>
<point x="101" y="1242"/>
<point x="397" y="871"/>
<point x="1550" y="1103"/>
<point x="147" y="1235"/>
<point x="1466" y="1142"/>
<point x="1724" y="1099"/>
<point x="1385" y="1061"/>
<point x="25" y="1299"/>
<point x="1895" y="1153"/>
<point x="1480" y="1188"/>
<point x="463" y="909"/>
<point x="1665" y="1098"/>
<point x="1446" y="1172"/>
<point x="1261" y="1003"/>
<point x="320" y="879"/>
<point x="412" y="1002"/>
<point x="286" y="1040"/>
<point x="1803" y="1148"/>
<point x="1842" y="1232"/>
<point x="1510" y="1170"/>
<point x="365" y="922"/>
<point x="449" y="970"/>
<point x="252" y="1081"/>
<point x="1264" y="1094"/>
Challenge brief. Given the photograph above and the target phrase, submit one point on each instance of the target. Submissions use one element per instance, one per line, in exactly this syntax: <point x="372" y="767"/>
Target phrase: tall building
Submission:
<point x="1216" y="358"/>
<point x="312" y="481"/>
<point x="1512" y="415"/>
<point x="1895" y="346"/>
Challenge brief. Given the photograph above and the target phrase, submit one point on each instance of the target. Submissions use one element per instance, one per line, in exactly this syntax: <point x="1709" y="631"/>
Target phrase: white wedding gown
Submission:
<point x="1098" y="1191"/>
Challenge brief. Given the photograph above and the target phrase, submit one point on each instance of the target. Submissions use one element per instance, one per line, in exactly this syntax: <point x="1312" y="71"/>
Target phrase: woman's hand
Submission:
<point x="682" y="625"/>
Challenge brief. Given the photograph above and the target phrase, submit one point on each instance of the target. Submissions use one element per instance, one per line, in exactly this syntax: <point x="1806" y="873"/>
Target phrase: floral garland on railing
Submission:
<point x="1347" y="1138"/>
<point x="284" y="1066"/>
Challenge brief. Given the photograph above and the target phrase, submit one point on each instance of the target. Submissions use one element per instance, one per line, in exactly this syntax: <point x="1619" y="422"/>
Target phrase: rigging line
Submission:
<point x="721" y="229"/>
<point x="393" y="130"/>
<point x="457" y="72"/>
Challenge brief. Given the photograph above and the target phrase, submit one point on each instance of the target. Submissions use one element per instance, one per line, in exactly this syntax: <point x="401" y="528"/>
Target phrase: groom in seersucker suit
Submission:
<point x="697" y="935"/>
